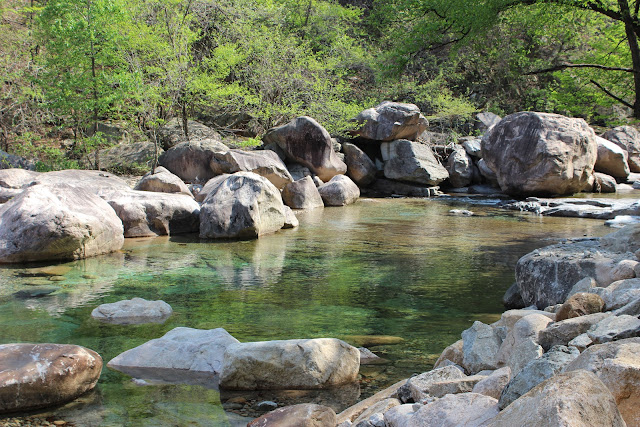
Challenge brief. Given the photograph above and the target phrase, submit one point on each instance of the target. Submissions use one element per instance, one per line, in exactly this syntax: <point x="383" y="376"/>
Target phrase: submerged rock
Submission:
<point x="39" y="375"/>
<point x="302" y="415"/>
<point x="133" y="311"/>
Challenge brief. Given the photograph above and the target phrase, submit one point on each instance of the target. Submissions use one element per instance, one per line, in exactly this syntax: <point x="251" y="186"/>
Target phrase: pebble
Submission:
<point x="32" y="422"/>
<point x="89" y="276"/>
<point x="57" y="278"/>
<point x="267" y="405"/>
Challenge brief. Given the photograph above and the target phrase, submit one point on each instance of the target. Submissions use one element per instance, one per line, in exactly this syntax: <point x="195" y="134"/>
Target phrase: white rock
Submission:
<point x="493" y="385"/>
<point x="182" y="353"/>
<point x="467" y="409"/>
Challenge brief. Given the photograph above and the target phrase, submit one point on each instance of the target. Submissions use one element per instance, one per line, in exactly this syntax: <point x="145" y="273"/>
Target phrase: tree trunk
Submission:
<point x="185" y="123"/>
<point x="632" y="41"/>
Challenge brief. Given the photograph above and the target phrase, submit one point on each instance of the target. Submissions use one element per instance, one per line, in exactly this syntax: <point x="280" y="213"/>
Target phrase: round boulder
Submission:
<point x="302" y="194"/>
<point x="191" y="161"/>
<point x="243" y="206"/>
<point x="539" y="153"/>
<point x="39" y="375"/>
<point x="627" y="138"/>
<point x="57" y="222"/>
<point x="340" y="191"/>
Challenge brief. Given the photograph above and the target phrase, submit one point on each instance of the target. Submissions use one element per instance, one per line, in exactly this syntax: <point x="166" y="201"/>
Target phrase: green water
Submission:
<point x="396" y="267"/>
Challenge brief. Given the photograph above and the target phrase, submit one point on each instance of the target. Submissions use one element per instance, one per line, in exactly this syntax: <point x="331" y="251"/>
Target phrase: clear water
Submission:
<point x="393" y="267"/>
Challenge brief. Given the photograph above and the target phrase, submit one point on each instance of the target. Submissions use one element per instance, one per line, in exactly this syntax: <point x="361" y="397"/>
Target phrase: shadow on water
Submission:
<point x="400" y="268"/>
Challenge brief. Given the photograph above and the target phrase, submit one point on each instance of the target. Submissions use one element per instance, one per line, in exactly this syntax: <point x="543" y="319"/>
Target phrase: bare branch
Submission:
<point x="567" y="65"/>
<point x="617" y="98"/>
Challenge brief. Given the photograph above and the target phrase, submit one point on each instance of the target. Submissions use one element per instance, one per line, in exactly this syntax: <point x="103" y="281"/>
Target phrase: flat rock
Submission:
<point x="617" y="364"/>
<point x="386" y="187"/>
<point x="536" y="372"/>
<point x="302" y="194"/>
<point x="305" y="141"/>
<point x="265" y="163"/>
<point x="146" y="213"/>
<point x="389" y="121"/>
<point x="302" y="415"/>
<point x="579" y="208"/>
<point x="180" y="355"/>
<point x="589" y="403"/>
<point x="243" y="206"/>
<point x="39" y="375"/>
<point x="162" y="181"/>
<point x="413" y="162"/>
<point x="614" y="328"/>
<point x="291" y="364"/>
<point x="339" y="191"/>
<point x="57" y="222"/>
<point x="467" y="409"/>
<point x="133" y="311"/>
<point x="540" y="153"/>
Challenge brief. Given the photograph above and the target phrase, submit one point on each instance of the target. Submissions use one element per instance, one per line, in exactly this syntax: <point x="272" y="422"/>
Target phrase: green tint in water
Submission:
<point x="403" y="268"/>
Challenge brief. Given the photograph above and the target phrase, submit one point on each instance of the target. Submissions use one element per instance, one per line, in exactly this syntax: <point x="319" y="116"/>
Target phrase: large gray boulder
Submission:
<point x="34" y="376"/>
<point x="411" y="161"/>
<point x="302" y="194"/>
<point x="460" y="167"/>
<point x="419" y="386"/>
<point x="545" y="276"/>
<point x="172" y="133"/>
<point x="360" y="168"/>
<point x="539" y="153"/>
<point x="481" y="344"/>
<point x="389" y="121"/>
<point x="211" y="185"/>
<point x="162" y="181"/>
<point x="614" y="328"/>
<point x="128" y="157"/>
<point x="339" y="191"/>
<point x="145" y="213"/>
<point x="575" y="398"/>
<point x="57" y="222"/>
<point x="133" y="311"/>
<point x="617" y="364"/>
<point x="191" y="160"/>
<point x="611" y="159"/>
<point x="521" y="343"/>
<point x="10" y="161"/>
<point x="182" y="353"/>
<point x="244" y="206"/>
<point x="265" y="163"/>
<point x="287" y="365"/>
<point x="627" y="138"/>
<point x="536" y="372"/>
<point x="305" y="141"/>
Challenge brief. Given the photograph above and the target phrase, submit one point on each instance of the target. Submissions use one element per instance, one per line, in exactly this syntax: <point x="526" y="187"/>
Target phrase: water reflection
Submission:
<point x="401" y="268"/>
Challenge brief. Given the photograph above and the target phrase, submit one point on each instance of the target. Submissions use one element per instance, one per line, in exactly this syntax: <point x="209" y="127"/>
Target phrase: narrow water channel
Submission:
<point x="400" y="268"/>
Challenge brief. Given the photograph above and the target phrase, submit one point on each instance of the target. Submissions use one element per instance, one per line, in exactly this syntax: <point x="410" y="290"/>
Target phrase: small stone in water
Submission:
<point x="34" y="293"/>
<point x="267" y="405"/>
<point x="57" y="278"/>
<point x="460" y="212"/>
<point x="89" y="276"/>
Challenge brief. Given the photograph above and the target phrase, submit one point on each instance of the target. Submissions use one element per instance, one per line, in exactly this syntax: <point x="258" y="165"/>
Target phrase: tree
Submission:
<point x="436" y="25"/>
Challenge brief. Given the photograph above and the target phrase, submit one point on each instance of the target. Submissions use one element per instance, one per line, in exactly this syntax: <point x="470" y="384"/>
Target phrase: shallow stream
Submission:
<point x="403" y="269"/>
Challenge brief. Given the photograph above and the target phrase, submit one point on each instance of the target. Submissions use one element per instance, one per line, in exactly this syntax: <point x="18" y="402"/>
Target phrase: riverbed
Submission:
<point x="404" y="272"/>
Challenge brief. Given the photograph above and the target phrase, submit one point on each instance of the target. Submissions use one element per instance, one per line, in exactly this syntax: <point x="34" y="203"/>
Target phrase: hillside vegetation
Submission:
<point x="67" y="65"/>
